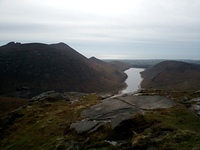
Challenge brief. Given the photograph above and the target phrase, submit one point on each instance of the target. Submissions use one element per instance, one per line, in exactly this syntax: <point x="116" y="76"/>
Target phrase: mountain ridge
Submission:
<point x="42" y="67"/>
<point x="151" y="118"/>
<point x="172" y="74"/>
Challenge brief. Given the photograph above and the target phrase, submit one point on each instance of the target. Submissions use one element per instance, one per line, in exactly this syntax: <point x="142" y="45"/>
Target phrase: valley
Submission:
<point x="99" y="75"/>
<point x="54" y="98"/>
<point x="133" y="80"/>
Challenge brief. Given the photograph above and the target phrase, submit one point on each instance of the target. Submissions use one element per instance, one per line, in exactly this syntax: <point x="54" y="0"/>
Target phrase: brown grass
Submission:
<point x="8" y="104"/>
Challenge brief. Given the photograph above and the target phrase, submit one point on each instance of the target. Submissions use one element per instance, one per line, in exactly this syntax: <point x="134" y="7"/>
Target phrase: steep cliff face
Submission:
<point x="34" y="68"/>
<point x="172" y="75"/>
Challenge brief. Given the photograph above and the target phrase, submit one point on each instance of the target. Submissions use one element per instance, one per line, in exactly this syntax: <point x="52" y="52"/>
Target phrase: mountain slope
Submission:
<point x="172" y="75"/>
<point x="33" y="68"/>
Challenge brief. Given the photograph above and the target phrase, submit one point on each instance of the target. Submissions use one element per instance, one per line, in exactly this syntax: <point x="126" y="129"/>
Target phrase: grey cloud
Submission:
<point x="138" y="25"/>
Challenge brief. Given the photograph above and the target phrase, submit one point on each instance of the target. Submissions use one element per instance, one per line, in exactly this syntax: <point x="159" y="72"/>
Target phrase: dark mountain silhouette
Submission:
<point x="117" y="64"/>
<point x="173" y="75"/>
<point x="120" y="65"/>
<point x="34" y="68"/>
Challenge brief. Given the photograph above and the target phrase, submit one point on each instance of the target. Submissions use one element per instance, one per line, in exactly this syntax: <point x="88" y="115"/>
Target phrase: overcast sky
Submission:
<point x="132" y="29"/>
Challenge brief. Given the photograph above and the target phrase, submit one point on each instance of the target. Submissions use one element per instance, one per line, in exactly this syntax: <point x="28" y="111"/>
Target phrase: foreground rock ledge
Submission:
<point x="115" y="110"/>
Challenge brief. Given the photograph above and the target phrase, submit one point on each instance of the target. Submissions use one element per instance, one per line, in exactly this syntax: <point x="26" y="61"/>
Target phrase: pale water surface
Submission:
<point x="134" y="79"/>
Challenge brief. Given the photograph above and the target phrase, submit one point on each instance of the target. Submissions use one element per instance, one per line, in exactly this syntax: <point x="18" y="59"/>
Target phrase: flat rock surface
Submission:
<point x="148" y="102"/>
<point x="117" y="109"/>
<point x="84" y="126"/>
<point x="109" y="109"/>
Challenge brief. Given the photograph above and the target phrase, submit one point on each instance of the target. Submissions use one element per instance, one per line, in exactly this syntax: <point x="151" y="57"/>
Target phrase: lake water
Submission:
<point x="134" y="79"/>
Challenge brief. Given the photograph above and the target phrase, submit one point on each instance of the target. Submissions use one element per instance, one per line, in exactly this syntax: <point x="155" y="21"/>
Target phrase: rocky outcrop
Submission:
<point x="113" y="111"/>
<point x="195" y="105"/>
<point x="148" y="119"/>
<point x="55" y="96"/>
<point x="8" y="120"/>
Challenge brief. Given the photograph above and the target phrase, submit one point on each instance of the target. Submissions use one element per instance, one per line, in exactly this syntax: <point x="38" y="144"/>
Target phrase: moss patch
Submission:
<point x="42" y="125"/>
<point x="46" y="125"/>
<point x="174" y="128"/>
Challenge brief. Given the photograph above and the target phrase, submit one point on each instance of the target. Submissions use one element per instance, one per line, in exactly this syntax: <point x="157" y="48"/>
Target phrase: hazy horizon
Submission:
<point x="114" y="29"/>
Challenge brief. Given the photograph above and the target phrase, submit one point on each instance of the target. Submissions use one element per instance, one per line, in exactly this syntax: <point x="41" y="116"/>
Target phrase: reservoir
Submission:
<point x="133" y="81"/>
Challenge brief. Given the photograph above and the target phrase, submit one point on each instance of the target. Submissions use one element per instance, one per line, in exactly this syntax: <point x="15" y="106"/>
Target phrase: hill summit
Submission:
<point x="29" y="69"/>
<point x="172" y="75"/>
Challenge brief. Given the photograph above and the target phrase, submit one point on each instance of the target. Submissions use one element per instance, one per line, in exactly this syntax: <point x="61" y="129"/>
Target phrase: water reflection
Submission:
<point x="134" y="79"/>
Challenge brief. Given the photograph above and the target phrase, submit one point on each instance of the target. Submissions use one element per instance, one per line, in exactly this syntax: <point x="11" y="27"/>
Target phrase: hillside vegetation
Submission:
<point x="45" y="124"/>
<point x="163" y="115"/>
<point x="172" y="75"/>
<point x="30" y="69"/>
